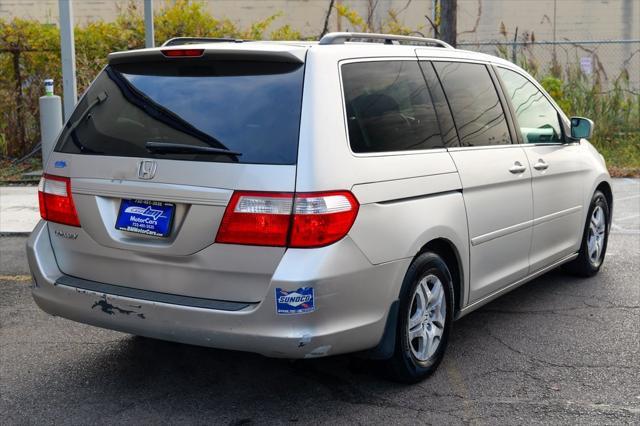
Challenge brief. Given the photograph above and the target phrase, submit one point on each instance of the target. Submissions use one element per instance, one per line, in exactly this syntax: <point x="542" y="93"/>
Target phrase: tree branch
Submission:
<point x="475" y="26"/>
<point x="325" y="28"/>
<point x="436" y="33"/>
<point x="406" y="6"/>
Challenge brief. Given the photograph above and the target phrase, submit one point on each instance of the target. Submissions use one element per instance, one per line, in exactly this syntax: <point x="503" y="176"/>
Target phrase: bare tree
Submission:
<point x="448" y="21"/>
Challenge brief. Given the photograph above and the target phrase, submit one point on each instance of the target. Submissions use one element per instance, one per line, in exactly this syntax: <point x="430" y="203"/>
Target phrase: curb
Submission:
<point x="15" y="234"/>
<point x="15" y="183"/>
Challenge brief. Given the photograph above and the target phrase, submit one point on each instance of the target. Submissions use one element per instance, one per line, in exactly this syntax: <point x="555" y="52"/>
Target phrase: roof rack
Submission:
<point x="341" y="38"/>
<point x="197" y="40"/>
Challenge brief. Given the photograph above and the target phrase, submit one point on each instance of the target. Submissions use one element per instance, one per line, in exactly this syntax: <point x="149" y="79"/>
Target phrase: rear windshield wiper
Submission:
<point x="102" y="96"/>
<point x="179" y="148"/>
<point x="71" y="127"/>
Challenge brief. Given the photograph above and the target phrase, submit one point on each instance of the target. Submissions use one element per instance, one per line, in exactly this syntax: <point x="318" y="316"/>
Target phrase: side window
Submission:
<point x="477" y="111"/>
<point x="388" y="107"/>
<point x="447" y="127"/>
<point x="537" y="118"/>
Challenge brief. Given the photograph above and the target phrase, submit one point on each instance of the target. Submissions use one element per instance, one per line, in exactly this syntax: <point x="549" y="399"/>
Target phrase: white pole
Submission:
<point x="148" y="23"/>
<point x="68" y="51"/>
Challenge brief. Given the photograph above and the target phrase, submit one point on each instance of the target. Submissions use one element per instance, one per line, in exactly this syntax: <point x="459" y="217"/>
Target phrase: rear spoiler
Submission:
<point x="295" y="55"/>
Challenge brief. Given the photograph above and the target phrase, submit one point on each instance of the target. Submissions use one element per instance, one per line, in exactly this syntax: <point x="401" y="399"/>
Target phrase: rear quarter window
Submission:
<point x="475" y="105"/>
<point x="252" y="108"/>
<point x="389" y="107"/>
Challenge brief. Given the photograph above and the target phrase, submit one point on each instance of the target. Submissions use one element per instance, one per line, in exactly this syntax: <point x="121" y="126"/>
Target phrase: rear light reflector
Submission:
<point x="284" y="219"/>
<point x="172" y="53"/>
<point x="56" y="202"/>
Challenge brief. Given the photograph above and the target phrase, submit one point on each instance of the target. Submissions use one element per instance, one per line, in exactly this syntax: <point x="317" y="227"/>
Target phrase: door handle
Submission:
<point x="517" y="168"/>
<point x="541" y="165"/>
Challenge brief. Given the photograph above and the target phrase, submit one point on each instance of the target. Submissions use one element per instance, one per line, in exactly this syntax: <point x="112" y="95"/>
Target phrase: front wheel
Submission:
<point x="425" y="319"/>
<point x="594" y="238"/>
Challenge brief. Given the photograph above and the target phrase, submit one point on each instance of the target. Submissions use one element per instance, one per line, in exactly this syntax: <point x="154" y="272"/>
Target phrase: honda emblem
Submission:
<point x="147" y="169"/>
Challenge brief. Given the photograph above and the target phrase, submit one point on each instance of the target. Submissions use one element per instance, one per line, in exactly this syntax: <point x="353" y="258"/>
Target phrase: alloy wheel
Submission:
<point x="427" y="317"/>
<point x="596" y="235"/>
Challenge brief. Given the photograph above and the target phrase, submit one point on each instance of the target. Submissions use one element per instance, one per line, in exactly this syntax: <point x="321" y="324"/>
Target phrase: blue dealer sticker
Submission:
<point x="145" y="217"/>
<point x="298" y="301"/>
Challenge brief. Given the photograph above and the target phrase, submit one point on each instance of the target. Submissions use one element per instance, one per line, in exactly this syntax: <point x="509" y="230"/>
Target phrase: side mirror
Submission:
<point x="581" y="128"/>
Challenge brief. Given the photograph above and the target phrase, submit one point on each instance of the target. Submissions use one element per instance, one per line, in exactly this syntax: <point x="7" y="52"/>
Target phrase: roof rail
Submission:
<point x="197" y="40"/>
<point x="341" y="38"/>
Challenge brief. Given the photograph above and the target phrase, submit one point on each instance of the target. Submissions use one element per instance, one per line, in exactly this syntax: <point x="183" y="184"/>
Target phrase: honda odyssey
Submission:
<point x="307" y="199"/>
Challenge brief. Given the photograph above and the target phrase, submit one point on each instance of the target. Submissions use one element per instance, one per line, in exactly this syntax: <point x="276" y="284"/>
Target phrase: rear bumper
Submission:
<point x="352" y="299"/>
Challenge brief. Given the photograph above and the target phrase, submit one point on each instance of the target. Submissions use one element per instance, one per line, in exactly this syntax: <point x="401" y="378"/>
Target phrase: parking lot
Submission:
<point x="557" y="350"/>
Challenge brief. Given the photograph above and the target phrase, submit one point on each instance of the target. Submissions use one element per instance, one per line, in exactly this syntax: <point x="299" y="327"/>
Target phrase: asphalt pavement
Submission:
<point x="557" y="350"/>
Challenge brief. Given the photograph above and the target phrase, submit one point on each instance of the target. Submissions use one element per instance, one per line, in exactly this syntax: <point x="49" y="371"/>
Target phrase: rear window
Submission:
<point x="389" y="107"/>
<point x="249" y="108"/>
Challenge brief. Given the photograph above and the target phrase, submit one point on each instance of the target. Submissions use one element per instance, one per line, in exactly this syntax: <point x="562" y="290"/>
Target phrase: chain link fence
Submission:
<point x="606" y="60"/>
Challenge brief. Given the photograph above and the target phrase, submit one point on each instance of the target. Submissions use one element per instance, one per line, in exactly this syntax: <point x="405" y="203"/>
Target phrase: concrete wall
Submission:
<point x="574" y="19"/>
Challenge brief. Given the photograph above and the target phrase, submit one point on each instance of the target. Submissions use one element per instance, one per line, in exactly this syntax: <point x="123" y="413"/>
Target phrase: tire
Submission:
<point x="596" y="231"/>
<point x="415" y="359"/>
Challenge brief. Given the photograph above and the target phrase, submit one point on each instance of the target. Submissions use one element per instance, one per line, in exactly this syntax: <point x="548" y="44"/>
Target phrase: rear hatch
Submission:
<point x="154" y="151"/>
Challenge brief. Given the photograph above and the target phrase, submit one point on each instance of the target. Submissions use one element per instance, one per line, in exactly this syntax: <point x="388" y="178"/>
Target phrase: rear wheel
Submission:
<point x="424" y="320"/>
<point x="594" y="238"/>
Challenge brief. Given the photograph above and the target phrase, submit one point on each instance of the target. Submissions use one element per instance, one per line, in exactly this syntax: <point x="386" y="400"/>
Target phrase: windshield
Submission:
<point x="252" y="108"/>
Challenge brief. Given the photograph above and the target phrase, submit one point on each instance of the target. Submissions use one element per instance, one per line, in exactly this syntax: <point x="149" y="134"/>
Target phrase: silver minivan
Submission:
<point x="306" y="199"/>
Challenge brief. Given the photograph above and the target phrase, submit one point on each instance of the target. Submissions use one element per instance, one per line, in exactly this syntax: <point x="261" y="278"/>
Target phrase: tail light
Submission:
<point x="56" y="202"/>
<point x="322" y="218"/>
<point x="283" y="219"/>
<point x="256" y="218"/>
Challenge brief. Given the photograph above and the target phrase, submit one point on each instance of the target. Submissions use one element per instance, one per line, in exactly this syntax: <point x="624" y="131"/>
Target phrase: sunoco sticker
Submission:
<point x="298" y="301"/>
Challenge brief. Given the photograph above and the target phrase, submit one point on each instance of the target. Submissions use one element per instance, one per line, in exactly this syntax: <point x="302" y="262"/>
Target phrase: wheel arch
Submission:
<point x="605" y="188"/>
<point x="451" y="255"/>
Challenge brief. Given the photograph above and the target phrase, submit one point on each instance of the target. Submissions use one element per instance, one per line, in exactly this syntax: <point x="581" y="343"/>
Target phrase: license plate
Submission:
<point x="145" y="217"/>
